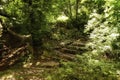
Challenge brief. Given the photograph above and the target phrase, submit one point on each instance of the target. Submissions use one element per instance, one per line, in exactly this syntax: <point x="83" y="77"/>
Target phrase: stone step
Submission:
<point x="65" y="56"/>
<point x="79" y="48"/>
<point x="49" y="64"/>
<point x="78" y="44"/>
<point x="69" y="51"/>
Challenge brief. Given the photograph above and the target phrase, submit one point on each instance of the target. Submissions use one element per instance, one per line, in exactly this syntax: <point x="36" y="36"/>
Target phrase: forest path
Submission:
<point x="64" y="51"/>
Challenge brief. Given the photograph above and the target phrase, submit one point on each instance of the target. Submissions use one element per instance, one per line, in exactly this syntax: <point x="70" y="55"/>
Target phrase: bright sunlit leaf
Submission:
<point x="62" y="18"/>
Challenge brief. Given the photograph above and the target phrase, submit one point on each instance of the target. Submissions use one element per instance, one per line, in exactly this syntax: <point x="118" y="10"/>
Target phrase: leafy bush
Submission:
<point x="85" y="68"/>
<point x="103" y="29"/>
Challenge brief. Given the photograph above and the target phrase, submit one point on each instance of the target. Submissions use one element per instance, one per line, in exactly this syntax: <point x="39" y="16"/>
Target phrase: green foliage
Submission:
<point x="1" y="30"/>
<point x="86" y="67"/>
<point x="59" y="20"/>
<point x="103" y="29"/>
<point x="28" y="19"/>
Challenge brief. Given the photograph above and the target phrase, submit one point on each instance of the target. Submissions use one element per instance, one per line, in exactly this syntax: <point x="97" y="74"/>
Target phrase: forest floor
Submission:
<point x="47" y="63"/>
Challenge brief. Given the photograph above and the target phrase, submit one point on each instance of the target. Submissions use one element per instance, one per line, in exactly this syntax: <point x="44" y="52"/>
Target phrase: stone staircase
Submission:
<point x="64" y="51"/>
<point x="68" y="49"/>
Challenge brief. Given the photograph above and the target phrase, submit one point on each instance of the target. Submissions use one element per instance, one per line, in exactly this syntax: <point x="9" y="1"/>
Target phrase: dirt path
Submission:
<point x="37" y="70"/>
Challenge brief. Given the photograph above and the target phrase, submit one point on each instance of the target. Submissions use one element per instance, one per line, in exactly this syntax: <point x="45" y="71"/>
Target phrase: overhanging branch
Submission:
<point x="4" y="14"/>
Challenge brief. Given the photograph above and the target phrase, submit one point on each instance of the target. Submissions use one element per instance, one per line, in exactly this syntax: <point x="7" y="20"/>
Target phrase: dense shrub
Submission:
<point x="103" y="30"/>
<point x="86" y="67"/>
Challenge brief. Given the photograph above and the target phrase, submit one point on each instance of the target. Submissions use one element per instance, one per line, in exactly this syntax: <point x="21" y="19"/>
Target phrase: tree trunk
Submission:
<point x="70" y="9"/>
<point x="77" y="6"/>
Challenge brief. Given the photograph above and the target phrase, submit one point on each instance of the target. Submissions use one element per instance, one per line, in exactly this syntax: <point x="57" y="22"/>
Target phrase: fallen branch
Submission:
<point x="12" y="57"/>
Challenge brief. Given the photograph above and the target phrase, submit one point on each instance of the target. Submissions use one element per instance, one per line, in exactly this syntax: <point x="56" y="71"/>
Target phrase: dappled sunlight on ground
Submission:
<point x="8" y="77"/>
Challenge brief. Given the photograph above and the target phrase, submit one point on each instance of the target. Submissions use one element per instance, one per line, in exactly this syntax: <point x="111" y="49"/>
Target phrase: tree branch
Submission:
<point x="4" y="14"/>
<point x="18" y="35"/>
